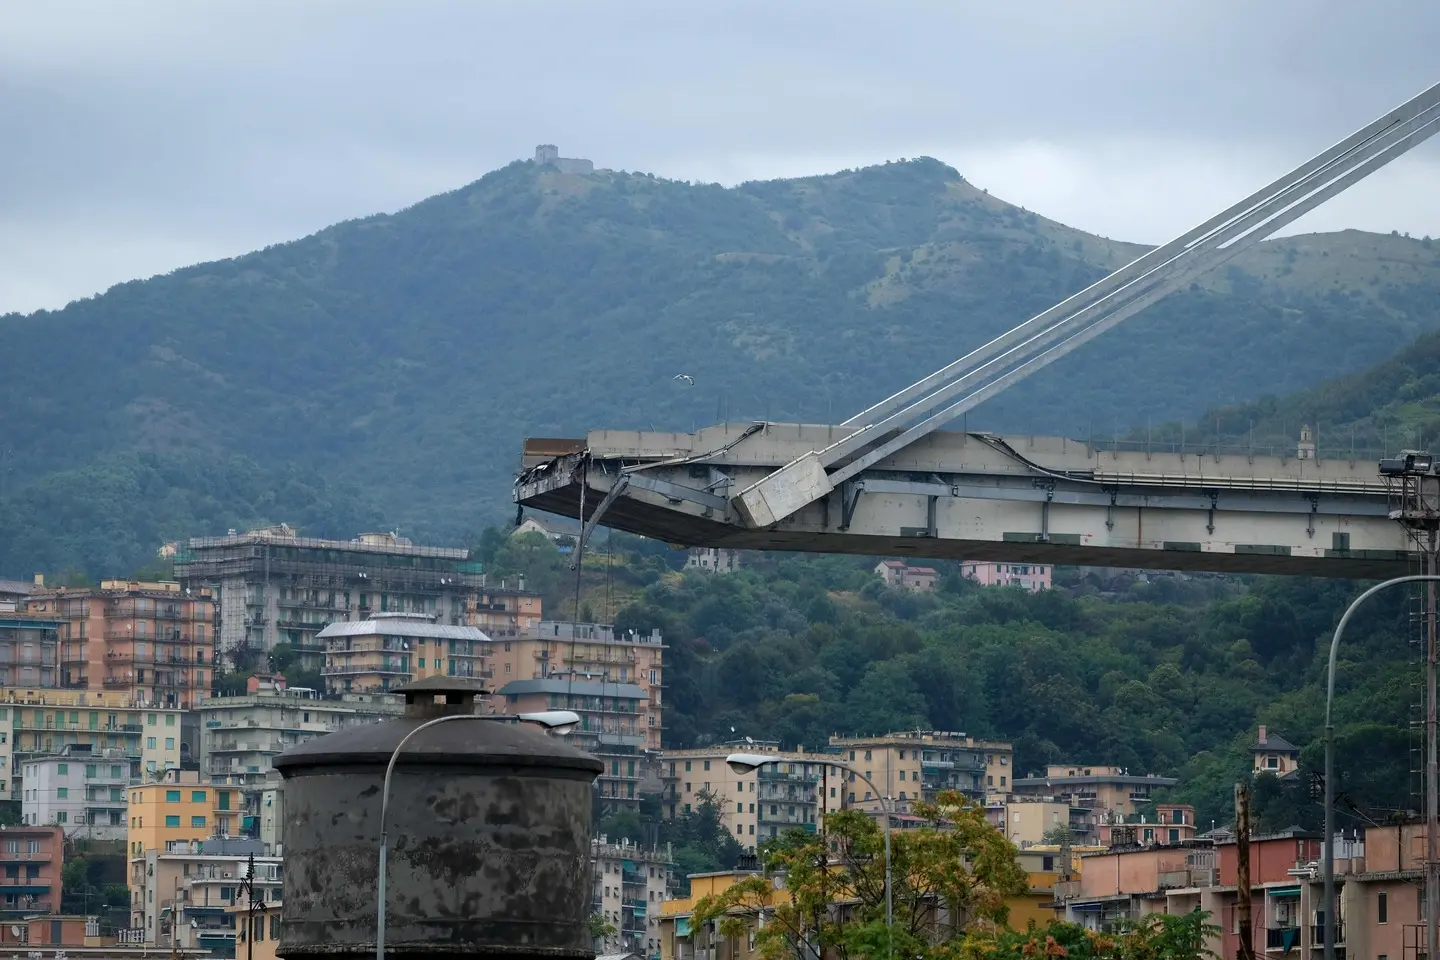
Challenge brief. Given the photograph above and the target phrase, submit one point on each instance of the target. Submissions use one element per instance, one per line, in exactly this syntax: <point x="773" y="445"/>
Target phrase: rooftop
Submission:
<point x="400" y="627"/>
<point x="1274" y="743"/>
<point x="584" y="688"/>
<point x="365" y="543"/>
<point x="22" y="587"/>
<point x="1148" y="780"/>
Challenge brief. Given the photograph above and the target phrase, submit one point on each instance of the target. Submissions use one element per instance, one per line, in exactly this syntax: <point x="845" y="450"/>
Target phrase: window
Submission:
<point x="90" y="770"/>
<point x="224" y="798"/>
<point x="63" y="769"/>
<point x="116" y="772"/>
<point x="1174" y="835"/>
<point x="707" y="764"/>
<point x="197" y="821"/>
<point x="169" y="743"/>
<point x="150" y="743"/>
<point x="197" y="796"/>
<point x="687" y="769"/>
<point x="172" y="796"/>
<point x="1002" y="779"/>
<point x="739" y="808"/>
<point x="902" y="774"/>
<point x="62" y="817"/>
<point x="1382" y="908"/>
<point x="989" y="781"/>
<point x="275" y="927"/>
<point x="150" y="719"/>
<point x="1272" y="763"/>
<point x="62" y="793"/>
<point x="169" y="719"/>
<point x="172" y="821"/>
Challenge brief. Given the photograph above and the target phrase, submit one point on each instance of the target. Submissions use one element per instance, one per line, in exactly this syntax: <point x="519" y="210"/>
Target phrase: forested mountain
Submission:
<point x="406" y="355"/>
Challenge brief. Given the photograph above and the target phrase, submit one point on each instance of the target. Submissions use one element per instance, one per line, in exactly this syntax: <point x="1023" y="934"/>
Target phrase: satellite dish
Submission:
<point x="15" y="930"/>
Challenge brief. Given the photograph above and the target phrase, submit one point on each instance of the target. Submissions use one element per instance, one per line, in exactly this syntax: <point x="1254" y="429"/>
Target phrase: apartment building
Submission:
<point x="81" y="790"/>
<point x="390" y="650"/>
<point x="257" y="927"/>
<point x="14" y="592"/>
<point x="505" y="611"/>
<point x="42" y="723"/>
<point x="1027" y="576"/>
<point x="712" y="560"/>
<point x="630" y="885"/>
<point x="591" y="650"/>
<point x="795" y="792"/>
<point x="613" y="727"/>
<point x="1112" y="792"/>
<point x="239" y="736"/>
<point x="178" y="811"/>
<point x="194" y="890"/>
<point x="31" y="862"/>
<point x="152" y="642"/>
<point x="902" y="576"/>
<point x="29" y="648"/>
<point x="913" y="765"/>
<point x="275" y="586"/>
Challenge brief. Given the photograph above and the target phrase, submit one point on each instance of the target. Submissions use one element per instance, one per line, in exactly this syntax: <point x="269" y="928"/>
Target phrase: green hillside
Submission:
<point x="1168" y="676"/>
<point x="406" y="355"/>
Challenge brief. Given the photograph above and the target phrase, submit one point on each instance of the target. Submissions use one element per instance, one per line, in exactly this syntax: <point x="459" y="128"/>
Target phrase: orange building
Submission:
<point x="505" y="612"/>
<point x="589" y="651"/>
<point x="31" y="859"/>
<point x="150" y="641"/>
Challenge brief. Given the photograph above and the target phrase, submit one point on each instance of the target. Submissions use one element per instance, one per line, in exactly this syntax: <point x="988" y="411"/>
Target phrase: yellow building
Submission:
<point x="41" y="723"/>
<point x="179" y="811"/>
<point x="257" y="931"/>
<point x="794" y="793"/>
<point x="390" y="650"/>
<point x="913" y="765"/>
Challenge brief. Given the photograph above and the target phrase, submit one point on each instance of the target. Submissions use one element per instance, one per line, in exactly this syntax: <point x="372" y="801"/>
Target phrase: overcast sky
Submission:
<point x="144" y="136"/>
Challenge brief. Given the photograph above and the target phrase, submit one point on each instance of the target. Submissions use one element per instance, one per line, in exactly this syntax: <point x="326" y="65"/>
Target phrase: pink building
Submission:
<point x="904" y="577"/>
<point x="1030" y="576"/>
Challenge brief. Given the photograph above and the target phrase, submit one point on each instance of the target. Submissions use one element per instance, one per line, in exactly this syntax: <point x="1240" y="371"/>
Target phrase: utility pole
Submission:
<point x="1242" y="871"/>
<point x="1432" y="768"/>
<point x="1413" y="484"/>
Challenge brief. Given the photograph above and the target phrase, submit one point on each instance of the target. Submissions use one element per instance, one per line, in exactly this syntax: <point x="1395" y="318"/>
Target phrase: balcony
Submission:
<point x="1282" y="938"/>
<point x="1317" y="935"/>
<point x="114" y="682"/>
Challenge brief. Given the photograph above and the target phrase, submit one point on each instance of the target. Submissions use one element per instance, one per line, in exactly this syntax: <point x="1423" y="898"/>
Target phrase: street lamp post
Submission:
<point x="1330" y="758"/>
<point x="556" y="721"/>
<point x="746" y="762"/>
<point x="252" y="907"/>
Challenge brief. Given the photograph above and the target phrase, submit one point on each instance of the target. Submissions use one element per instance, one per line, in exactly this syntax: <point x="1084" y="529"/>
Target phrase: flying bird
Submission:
<point x="686" y="377"/>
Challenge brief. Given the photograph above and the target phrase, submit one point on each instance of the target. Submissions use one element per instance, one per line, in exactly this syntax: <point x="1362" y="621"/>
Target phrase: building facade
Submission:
<point x="1027" y="576"/>
<point x="81" y="790"/>
<point x="613" y="727"/>
<point x="916" y="765"/>
<point x="29" y="648"/>
<point x="1274" y="754"/>
<point x="1112" y="792"/>
<point x="42" y="723"/>
<point x="388" y="651"/>
<point x="149" y="641"/>
<point x="240" y="736"/>
<point x="712" y="560"/>
<point x="276" y="587"/>
<point x="31" y="861"/>
<point x="179" y="811"/>
<point x="795" y="792"/>
<point x="630" y="885"/>
<point x="902" y="576"/>
<point x="191" y="894"/>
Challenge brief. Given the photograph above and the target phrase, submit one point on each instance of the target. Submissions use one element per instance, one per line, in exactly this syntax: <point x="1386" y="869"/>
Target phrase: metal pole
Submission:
<point x="250" y="913"/>
<point x="1242" y="872"/>
<point x="380" y="877"/>
<point x="1329" y="865"/>
<point x="1432" y="804"/>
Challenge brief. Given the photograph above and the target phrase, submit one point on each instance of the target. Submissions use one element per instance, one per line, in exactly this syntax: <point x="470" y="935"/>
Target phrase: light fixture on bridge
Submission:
<point x="1409" y="463"/>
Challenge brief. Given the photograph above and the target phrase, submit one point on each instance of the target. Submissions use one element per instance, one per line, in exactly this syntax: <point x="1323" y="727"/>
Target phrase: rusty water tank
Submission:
<point x="489" y="837"/>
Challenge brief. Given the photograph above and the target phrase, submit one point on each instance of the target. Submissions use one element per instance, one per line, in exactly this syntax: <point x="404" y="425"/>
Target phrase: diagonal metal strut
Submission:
<point x="928" y="404"/>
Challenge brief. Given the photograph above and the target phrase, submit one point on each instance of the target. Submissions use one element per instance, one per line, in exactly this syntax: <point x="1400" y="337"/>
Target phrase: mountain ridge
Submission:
<point x="408" y="353"/>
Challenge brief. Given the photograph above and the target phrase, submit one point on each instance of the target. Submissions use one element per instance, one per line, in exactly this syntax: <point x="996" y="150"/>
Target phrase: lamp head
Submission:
<point x="558" y="722"/>
<point x="746" y="762"/>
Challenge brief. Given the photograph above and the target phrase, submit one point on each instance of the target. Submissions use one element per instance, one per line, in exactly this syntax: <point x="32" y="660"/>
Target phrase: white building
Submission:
<point x="239" y="736"/>
<point x="713" y="560"/>
<point x="80" y="790"/>
<point x="630" y="884"/>
<point x="192" y="888"/>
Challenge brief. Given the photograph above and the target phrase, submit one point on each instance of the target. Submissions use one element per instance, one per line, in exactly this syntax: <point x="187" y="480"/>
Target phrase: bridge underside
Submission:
<point x="975" y="497"/>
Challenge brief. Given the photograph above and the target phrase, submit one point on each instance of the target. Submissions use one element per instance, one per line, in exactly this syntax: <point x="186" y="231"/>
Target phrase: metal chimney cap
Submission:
<point x="460" y="694"/>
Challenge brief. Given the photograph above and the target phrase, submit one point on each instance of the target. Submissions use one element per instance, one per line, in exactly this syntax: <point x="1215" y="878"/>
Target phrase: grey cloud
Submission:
<point x="223" y="125"/>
